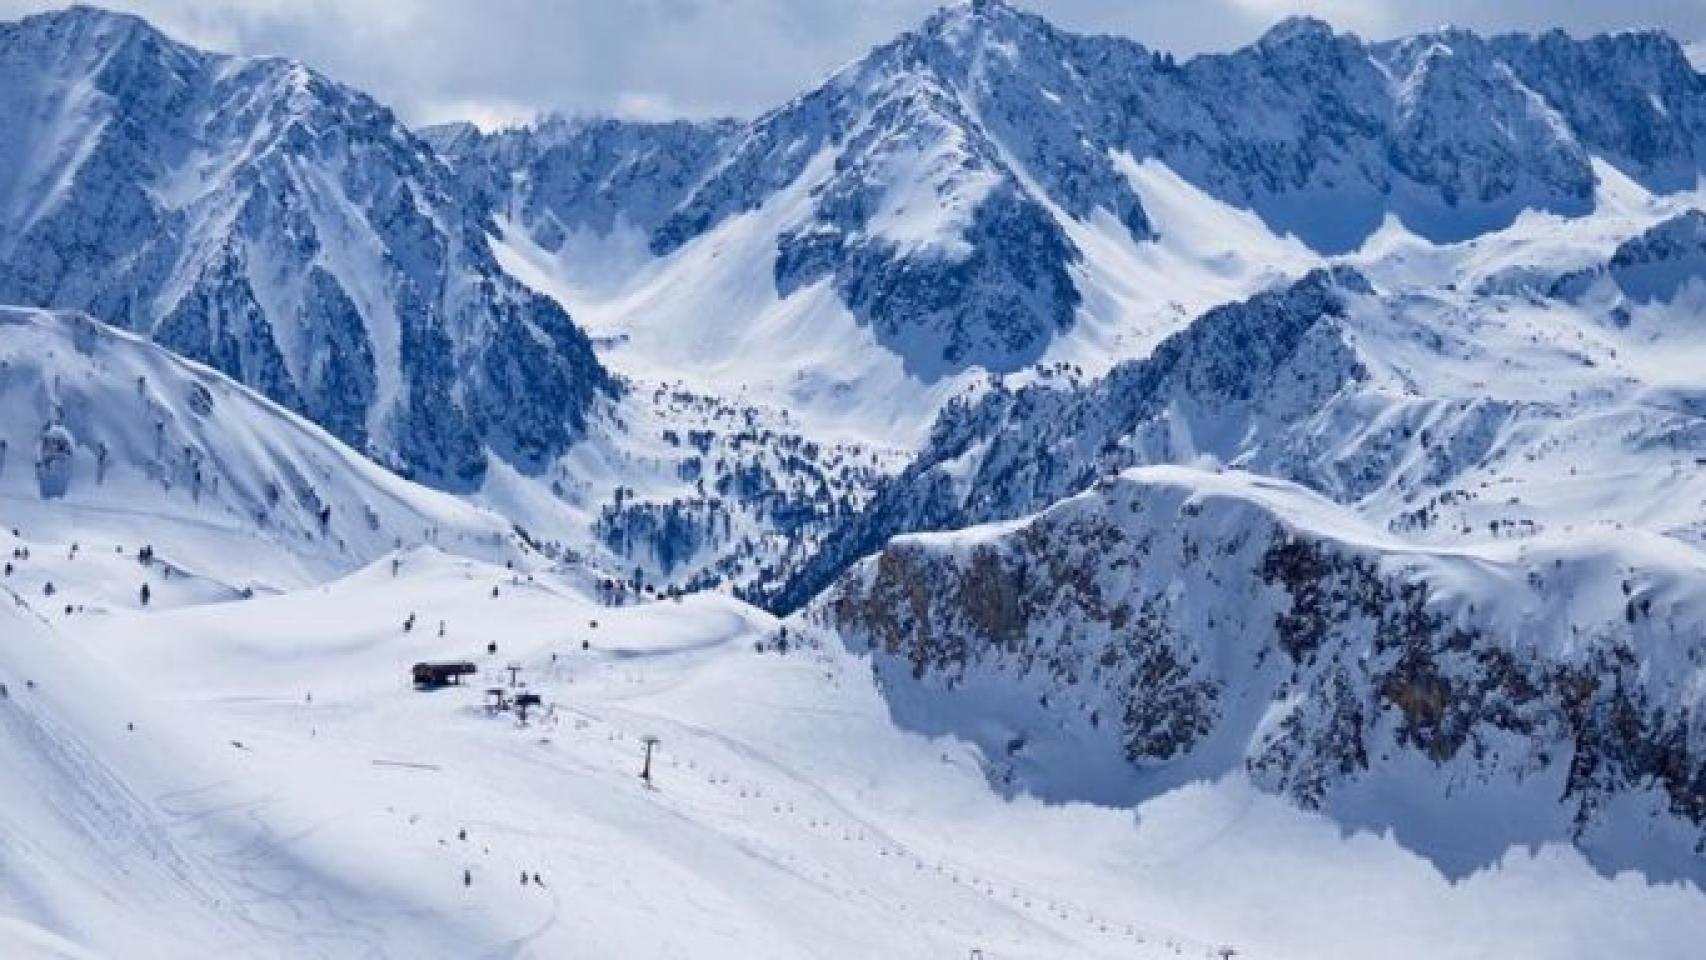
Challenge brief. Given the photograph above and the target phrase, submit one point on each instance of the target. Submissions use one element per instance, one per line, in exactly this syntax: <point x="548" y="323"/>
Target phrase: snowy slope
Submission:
<point x="791" y="816"/>
<point x="145" y="832"/>
<point x="111" y="443"/>
<point x="674" y="489"/>
<point x="255" y="216"/>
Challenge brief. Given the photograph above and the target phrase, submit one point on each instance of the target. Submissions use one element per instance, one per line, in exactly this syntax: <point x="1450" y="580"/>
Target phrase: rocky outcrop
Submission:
<point x="1663" y="260"/>
<point x="567" y="174"/>
<point x="1183" y="623"/>
<point x="53" y="461"/>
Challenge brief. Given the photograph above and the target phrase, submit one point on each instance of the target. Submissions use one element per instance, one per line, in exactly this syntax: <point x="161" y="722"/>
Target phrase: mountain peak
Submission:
<point x="102" y="22"/>
<point x="977" y="20"/>
<point x="121" y="47"/>
<point x="90" y="13"/>
<point x="390" y="288"/>
<point x="977" y="8"/>
<point x="1297" y="29"/>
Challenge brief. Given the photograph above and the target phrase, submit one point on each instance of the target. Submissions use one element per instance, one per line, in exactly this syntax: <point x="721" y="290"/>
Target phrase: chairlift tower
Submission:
<point x="650" y="741"/>
<point x="524" y="701"/>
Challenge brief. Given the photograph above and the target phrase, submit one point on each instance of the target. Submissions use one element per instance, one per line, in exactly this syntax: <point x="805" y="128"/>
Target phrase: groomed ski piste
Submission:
<point x="260" y="778"/>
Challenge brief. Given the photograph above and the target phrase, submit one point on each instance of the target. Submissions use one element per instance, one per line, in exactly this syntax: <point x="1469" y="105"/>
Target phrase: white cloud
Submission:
<point x="488" y="115"/>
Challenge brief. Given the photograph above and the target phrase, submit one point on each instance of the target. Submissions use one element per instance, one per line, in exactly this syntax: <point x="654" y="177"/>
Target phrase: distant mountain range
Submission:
<point x="946" y="171"/>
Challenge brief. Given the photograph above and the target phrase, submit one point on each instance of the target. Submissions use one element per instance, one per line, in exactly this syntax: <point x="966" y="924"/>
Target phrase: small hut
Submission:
<point x="431" y="674"/>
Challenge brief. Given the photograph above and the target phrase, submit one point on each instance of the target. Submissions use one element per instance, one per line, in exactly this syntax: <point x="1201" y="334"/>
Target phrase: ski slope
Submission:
<point x="110" y="443"/>
<point x="284" y="792"/>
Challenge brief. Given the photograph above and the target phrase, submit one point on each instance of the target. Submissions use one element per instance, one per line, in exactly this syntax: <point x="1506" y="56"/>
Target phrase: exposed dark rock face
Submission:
<point x="567" y="174"/>
<point x="1173" y="620"/>
<point x="285" y="229"/>
<point x="997" y="308"/>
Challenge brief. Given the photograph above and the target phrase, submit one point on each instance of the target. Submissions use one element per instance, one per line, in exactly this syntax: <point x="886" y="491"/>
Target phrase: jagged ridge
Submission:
<point x="253" y="215"/>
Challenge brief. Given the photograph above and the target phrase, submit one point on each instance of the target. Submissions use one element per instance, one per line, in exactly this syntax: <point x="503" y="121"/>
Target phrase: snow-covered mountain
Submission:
<point x="1456" y="555"/>
<point x="285" y="229"/>
<point x="1254" y="503"/>
<point x="113" y="443"/>
<point x="1009" y="452"/>
<point x="1410" y="380"/>
<point x="988" y="191"/>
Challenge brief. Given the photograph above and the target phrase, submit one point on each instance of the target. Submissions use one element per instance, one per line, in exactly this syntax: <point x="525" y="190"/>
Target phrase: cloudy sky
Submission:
<point x="497" y="60"/>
